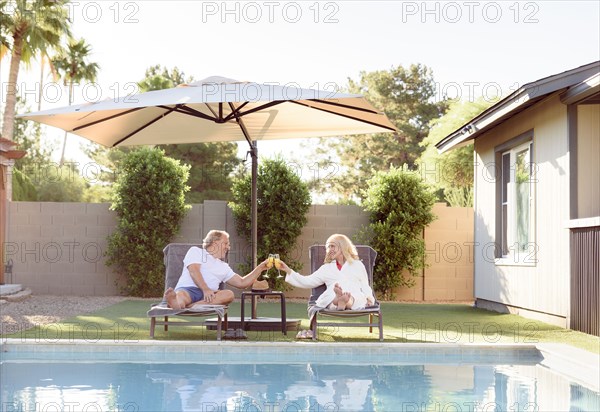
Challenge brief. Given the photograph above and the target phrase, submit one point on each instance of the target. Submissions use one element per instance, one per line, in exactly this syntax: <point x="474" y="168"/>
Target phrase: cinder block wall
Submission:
<point x="449" y="249"/>
<point x="58" y="248"/>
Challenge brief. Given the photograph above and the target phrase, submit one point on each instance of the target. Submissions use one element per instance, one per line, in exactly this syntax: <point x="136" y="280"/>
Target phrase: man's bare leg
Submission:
<point x="177" y="300"/>
<point x="222" y="297"/>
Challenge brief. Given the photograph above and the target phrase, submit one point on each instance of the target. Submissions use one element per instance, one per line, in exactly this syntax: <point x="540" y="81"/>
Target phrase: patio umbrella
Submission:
<point x="219" y="109"/>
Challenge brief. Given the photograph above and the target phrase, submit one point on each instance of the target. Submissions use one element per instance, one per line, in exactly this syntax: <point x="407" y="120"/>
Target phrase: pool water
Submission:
<point x="303" y="386"/>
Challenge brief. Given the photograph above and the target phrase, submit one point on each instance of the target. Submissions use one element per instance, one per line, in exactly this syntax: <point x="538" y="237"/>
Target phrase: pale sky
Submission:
<point x="475" y="48"/>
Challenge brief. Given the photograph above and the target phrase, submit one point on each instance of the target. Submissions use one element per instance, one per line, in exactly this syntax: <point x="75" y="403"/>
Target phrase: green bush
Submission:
<point x="23" y="188"/>
<point x="149" y="198"/>
<point x="48" y="182"/>
<point x="283" y="201"/>
<point x="400" y="206"/>
<point x="60" y="184"/>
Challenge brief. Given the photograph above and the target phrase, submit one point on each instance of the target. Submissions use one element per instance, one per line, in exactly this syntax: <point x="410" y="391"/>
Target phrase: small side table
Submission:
<point x="253" y="295"/>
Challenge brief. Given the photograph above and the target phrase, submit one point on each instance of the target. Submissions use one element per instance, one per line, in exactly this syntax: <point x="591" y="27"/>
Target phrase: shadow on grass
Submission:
<point x="403" y="322"/>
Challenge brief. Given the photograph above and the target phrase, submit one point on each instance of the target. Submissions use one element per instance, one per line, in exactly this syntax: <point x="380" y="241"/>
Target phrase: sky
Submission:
<point x="474" y="48"/>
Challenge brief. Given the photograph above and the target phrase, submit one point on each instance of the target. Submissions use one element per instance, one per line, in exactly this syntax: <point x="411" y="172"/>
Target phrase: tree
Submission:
<point x="283" y="201"/>
<point x="36" y="177"/>
<point x="451" y="173"/>
<point x="45" y="53"/>
<point x="212" y="166"/>
<point x="28" y="135"/>
<point x="28" y="27"/>
<point x="212" y="163"/>
<point x="406" y="95"/>
<point x="5" y="20"/>
<point x="149" y="200"/>
<point x="60" y="184"/>
<point x="159" y="78"/>
<point x="400" y="206"/>
<point x="23" y="188"/>
<point x="73" y="67"/>
<point x="25" y="173"/>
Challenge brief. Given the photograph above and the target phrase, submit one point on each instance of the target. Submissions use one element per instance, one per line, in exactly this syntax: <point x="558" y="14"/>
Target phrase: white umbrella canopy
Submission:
<point x="219" y="109"/>
<point x="213" y="110"/>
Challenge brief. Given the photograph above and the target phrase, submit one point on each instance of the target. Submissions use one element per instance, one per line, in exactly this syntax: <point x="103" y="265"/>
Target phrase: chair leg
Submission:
<point x="380" y="316"/>
<point x="371" y="322"/>
<point x="152" y="326"/>
<point x="313" y="326"/>
<point x="166" y="325"/>
<point x="226" y="321"/>
<point x="219" y="327"/>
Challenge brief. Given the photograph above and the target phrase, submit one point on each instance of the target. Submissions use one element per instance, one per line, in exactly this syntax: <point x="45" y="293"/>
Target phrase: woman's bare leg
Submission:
<point x="345" y="301"/>
<point x="338" y="292"/>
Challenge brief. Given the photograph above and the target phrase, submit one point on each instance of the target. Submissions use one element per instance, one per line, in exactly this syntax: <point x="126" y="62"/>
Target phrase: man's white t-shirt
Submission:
<point x="213" y="270"/>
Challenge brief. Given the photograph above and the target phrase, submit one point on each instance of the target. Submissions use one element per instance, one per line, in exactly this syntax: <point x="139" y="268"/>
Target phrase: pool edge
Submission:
<point x="561" y="358"/>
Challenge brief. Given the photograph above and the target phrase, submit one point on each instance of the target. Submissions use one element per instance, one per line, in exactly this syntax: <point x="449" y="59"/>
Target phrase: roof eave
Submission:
<point x="516" y="102"/>
<point x="582" y="91"/>
<point x="485" y="120"/>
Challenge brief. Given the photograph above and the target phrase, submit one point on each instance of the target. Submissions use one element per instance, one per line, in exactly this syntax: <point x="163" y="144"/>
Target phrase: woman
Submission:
<point x="343" y="274"/>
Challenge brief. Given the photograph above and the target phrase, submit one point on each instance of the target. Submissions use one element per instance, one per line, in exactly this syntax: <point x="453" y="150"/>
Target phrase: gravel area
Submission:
<point x="45" y="309"/>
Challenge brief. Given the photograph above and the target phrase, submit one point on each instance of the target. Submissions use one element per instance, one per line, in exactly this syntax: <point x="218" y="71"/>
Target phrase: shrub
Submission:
<point x="149" y="198"/>
<point x="60" y="184"/>
<point x="23" y="188"/>
<point x="283" y="201"/>
<point x="400" y="206"/>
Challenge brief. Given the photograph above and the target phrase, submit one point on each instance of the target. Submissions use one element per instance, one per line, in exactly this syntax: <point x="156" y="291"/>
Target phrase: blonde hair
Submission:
<point x="345" y="244"/>
<point x="213" y="236"/>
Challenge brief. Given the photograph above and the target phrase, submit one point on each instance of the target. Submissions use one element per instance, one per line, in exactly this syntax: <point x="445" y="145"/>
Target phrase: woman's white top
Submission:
<point x="351" y="278"/>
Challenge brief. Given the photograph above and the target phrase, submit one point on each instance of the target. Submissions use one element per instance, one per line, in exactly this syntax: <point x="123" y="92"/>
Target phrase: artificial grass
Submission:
<point x="403" y="322"/>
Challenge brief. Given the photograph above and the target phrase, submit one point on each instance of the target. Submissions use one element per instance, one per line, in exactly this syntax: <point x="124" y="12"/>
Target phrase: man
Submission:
<point x="203" y="272"/>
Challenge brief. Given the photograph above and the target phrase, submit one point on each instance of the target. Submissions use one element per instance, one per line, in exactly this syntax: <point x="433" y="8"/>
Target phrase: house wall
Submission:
<point x="538" y="290"/>
<point x="58" y="248"/>
<point x="588" y="166"/>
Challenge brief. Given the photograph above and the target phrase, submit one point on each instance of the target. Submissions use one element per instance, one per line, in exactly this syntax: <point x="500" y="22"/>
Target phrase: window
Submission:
<point x="515" y="219"/>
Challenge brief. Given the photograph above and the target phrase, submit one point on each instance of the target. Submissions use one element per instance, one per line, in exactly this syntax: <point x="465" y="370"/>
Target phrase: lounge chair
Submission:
<point x="173" y="258"/>
<point x="367" y="255"/>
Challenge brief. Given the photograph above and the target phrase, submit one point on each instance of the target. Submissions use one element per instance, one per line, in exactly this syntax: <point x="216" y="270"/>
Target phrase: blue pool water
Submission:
<point x="56" y="384"/>
<point x="274" y="387"/>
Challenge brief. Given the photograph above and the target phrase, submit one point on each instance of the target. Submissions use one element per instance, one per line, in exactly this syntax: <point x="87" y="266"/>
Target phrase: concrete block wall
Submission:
<point x="449" y="254"/>
<point x="213" y="214"/>
<point x="58" y="248"/>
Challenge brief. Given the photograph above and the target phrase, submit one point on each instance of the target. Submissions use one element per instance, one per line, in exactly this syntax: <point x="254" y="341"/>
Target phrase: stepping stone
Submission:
<point x="17" y="297"/>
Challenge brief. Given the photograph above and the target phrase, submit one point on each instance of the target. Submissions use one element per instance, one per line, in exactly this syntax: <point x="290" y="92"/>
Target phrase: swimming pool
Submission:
<point x="295" y="376"/>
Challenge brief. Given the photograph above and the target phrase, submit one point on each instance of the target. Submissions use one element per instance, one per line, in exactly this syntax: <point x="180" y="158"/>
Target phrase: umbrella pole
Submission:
<point x="254" y="202"/>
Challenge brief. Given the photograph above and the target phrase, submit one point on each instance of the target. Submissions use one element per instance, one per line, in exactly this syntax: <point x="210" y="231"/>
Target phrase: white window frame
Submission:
<point x="509" y="251"/>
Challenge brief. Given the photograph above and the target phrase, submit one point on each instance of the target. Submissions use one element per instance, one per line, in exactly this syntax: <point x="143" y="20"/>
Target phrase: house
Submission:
<point x="537" y="200"/>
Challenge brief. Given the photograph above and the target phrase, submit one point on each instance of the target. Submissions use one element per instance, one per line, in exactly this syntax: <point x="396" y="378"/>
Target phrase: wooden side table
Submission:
<point x="253" y="295"/>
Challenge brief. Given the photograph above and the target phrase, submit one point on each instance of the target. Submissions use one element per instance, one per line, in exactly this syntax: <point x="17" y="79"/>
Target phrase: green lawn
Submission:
<point x="403" y="322"/>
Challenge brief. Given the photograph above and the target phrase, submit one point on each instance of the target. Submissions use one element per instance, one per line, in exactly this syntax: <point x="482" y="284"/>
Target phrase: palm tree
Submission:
<point x="28" y="27"/>
<point x="46" y="60"/>
<point x="73" y="66"/>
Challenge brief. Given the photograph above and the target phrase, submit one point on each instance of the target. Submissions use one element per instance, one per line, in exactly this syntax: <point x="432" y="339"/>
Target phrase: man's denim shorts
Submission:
<point x="195" y="293"/>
